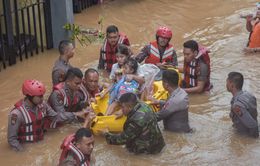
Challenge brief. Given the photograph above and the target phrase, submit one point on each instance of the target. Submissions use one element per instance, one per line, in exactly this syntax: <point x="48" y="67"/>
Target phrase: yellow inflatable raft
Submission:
<point x="102" y="122"/>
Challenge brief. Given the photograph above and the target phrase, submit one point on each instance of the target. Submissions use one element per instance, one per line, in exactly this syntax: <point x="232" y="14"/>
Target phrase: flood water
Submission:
<point x="215" y="24"/>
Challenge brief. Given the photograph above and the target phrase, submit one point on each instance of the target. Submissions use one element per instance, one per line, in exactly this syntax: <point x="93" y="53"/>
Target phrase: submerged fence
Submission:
<point x="79" y="5"/>
<point x="25" y="29"/>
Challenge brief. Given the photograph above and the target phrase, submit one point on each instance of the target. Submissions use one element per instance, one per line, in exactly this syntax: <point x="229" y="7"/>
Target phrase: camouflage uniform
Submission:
<point x="141" y="132"/>
<point x="244" y="113"/>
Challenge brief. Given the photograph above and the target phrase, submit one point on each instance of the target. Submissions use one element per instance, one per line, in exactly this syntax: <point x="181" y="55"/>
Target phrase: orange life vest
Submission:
<point x="108" y="53"/>
<point x="155" y="56"/>
<point x="32" y="129"/>
<point x="192" y="69"/>
<point x="69" y="103"/>
<point x="254" y="39"/>
<point x="68" y="146"/>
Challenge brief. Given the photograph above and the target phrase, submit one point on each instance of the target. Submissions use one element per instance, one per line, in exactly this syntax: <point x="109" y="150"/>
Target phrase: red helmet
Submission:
<point x="164" y="32"/>
<point x="33" y="88"/>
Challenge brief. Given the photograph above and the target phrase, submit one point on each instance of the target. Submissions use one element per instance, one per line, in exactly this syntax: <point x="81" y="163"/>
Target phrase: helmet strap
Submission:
<point x="30" y="98"/>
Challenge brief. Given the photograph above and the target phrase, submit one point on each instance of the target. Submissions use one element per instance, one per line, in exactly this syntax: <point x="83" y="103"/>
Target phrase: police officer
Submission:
<point x="77" y="149"/>
<point x="62" y="65"/>
<point x="243" y="106"/>
<point x="65" y="99"/>
<point x="26" y="121"/>
<point x="174" y="111"/>
<point x="141" y="133"/>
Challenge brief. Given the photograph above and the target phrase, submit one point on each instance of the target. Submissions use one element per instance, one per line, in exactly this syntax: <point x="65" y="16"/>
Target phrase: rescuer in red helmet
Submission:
<point x="159" y="52"/>
<point x="26" y="121"/>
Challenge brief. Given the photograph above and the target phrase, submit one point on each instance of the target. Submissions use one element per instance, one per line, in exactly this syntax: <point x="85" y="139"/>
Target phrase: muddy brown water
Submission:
<point x="215" y="24"/>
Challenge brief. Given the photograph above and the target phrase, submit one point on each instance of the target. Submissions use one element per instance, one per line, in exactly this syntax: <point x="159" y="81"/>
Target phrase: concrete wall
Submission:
<point x="62" y="13"/>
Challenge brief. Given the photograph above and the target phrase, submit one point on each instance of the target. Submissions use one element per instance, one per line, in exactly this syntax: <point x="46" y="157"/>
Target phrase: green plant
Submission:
<point x="84" y="35"/>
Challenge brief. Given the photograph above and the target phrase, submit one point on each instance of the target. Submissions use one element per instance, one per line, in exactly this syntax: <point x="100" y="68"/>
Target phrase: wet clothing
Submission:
<point x="195" y="71"/>
<point x="27" y="124"/>
<point x="59" y="71"/>
<point x="71" y="155"/>
<point x="174" y="112"/>
<point x="254" y="38"/>
<point x="116" y="67"/>
<point x="84" y="96"/>
<point x="108" y="53"/>
<point x="65" y="102"/>
<point x="151" y="54"/>
<point x="141" y="133"/>
<point x="122" y="87"/>
<point x="198" y="70"/>
<point x="244" y="113"/>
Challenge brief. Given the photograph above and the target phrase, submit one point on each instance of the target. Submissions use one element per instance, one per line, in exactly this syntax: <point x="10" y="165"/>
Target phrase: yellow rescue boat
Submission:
<point x="114" y="125"/>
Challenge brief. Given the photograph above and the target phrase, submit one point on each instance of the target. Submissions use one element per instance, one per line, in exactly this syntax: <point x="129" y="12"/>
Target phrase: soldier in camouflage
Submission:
<point x="141" y="132"/>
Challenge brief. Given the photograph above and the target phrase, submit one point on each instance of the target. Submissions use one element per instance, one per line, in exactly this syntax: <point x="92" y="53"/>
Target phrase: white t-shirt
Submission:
<point x="116" y="67"/>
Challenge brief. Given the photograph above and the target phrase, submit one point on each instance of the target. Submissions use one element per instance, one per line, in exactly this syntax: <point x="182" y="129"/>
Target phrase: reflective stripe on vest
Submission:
<point x="85" y="92"/>
<point x="28" y="123"/>
<point x="79" y="154"/>
<point x="192" y="73"/>
<point x="65" y="98"/>
<point x="104" y="47"/>
<point x="105" y="52"/>
<point x="28" y="120"/>
<point x="154" y="56"/>
<point x="53" y="124"/>
<point x="167" y="53"/>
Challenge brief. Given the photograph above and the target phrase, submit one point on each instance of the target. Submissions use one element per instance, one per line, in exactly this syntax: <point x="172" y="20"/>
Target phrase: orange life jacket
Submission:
<point x="32" y="129"/>
<point x="155" y="56"/>
<point x="254" y="38"/>
<point x="69" y="103"/>
<point x="68" y="146"/>
<point x="108" y="54"/>
<point x="192" y="69"/>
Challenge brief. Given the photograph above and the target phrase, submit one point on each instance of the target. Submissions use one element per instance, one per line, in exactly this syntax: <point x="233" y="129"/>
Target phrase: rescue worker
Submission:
<point x="26" y="122"/>
<point x="107" y="51"/>
<point x="77" y="149"/>
<point x="250" y="17"/>
<point x="62" y="65"/>
<point x="243" y="106"/>
<point x="65" y="99"/>
<point x="159" y="52"/>
<point x="196" y="68"/>
<point x="254" y="37"/>
<point x="174" y="112"/>
<point x="141" y="133"/>
<point x="91" y="83"/>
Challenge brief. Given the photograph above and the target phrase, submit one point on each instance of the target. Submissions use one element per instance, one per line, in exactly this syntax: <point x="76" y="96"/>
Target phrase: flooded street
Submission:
<point x="215" y="24"/>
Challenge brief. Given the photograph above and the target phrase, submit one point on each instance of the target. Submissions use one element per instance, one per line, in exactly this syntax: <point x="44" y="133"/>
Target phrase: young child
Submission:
<point x="122" y="54"/>
<point x="130" y="82"/>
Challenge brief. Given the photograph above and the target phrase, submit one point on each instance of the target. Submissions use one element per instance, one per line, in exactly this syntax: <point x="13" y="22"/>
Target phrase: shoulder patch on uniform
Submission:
<point x="60" y="99"/>
<point x="13" y="119"/>
<point x="237" y="111"/>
